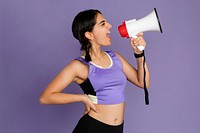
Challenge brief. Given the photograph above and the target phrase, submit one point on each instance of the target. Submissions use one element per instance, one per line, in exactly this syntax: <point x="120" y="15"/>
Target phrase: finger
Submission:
<point x="93" y="108"/>
<point x="132" y="41"/>
<point x="85" y="112"/>
<point x="138" y="39"/>
<point x="141" y="41"/>
<point x="87" y="109"/>
<point x="140" y="34"/>
<point x="133" y="45"/>
<point x="138" y="43"/>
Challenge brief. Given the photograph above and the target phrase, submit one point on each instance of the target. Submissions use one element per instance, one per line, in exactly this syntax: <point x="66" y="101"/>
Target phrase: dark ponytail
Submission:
<point x="87" y="55"/>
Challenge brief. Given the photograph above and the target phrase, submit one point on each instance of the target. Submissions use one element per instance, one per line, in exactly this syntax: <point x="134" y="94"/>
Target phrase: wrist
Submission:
<point x="139" y="55"/>
<point x="82" y="97"/>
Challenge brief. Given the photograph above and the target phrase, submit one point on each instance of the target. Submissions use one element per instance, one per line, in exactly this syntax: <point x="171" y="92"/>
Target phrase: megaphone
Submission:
<point x="132" y="27"/>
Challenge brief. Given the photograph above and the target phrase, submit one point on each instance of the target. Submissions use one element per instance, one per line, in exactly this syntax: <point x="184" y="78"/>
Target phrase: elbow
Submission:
<point x="148" y="86"/>
<point x="43" y="99"/>
<point x="146" y="83"/>
<point x="142" y="85"/>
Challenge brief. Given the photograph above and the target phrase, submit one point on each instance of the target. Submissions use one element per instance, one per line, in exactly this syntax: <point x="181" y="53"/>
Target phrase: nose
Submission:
<point x="109" y="26"/>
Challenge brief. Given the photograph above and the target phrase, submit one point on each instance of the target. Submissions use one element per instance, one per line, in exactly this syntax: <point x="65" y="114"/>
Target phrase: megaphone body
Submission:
<point x="132" y="27"/>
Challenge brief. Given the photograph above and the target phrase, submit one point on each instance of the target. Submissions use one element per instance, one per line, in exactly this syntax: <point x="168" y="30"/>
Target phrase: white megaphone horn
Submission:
<point x="132" y="27"/>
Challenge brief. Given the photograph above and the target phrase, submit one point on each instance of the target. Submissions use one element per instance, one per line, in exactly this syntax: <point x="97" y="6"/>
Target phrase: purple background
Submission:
<point x="36" y="43"/>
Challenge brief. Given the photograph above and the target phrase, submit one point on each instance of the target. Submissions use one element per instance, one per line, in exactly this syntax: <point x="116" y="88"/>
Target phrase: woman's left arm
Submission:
<point x="136" y="76"/>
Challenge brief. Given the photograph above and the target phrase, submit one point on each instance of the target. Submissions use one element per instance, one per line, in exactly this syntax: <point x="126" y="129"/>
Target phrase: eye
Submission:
<point x="103" y="24"/>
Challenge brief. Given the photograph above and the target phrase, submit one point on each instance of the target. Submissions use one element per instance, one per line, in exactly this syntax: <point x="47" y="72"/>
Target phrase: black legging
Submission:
<point x="87" y="124"/>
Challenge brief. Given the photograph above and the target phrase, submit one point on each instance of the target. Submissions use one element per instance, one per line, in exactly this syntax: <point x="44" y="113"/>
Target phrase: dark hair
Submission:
<point x="83" y="22"/>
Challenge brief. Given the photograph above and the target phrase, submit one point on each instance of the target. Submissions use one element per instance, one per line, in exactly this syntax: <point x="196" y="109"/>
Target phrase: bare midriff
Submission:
<point x="109" y="114"/>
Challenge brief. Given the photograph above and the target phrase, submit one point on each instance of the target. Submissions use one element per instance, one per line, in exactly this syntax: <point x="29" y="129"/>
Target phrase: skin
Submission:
<point x="77" y="72"/>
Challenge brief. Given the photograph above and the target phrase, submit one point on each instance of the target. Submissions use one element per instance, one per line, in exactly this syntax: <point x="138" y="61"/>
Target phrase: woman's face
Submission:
<point x="101" y="30"/>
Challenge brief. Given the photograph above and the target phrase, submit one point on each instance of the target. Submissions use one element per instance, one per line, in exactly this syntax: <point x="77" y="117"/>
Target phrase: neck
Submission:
<point x="96" y="54"/>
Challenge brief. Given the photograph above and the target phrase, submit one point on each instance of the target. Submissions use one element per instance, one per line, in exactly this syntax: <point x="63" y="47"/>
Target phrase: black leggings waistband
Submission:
<point x="88" y="124"/>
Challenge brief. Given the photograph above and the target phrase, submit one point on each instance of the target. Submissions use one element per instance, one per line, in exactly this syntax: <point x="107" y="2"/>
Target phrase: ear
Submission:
<point x="89" y="35"/>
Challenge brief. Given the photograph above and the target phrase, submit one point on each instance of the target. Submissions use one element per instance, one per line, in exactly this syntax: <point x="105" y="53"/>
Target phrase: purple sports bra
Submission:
<point x="105" y="85"/>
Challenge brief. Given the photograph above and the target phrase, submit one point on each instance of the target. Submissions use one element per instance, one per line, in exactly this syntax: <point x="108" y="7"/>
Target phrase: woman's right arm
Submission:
<point x="53" y="94"/>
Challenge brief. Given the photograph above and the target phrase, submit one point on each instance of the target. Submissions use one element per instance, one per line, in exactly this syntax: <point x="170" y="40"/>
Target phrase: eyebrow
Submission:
<point x="103" y="21"/>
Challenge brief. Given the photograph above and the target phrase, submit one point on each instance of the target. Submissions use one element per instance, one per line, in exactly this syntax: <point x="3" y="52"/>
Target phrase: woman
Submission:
<point x="101" y="74"/>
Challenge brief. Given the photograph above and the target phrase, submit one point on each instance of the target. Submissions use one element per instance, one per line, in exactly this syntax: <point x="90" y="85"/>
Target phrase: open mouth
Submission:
<point x="108" y="34"/>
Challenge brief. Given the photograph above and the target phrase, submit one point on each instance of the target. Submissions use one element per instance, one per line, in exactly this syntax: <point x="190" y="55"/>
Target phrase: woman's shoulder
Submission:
<point x="75" y="66"/>
<point x="79" y="69"/>
<point x="79" y="62"/>
<point x="120" y="58"/>
<point x="114" y="54"/>
<point x="111" y="52"/>
<point x="81" y="59"/>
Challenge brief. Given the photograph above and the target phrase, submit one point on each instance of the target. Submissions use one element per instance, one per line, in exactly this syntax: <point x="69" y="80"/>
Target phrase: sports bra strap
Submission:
<point x="81" y="59"/>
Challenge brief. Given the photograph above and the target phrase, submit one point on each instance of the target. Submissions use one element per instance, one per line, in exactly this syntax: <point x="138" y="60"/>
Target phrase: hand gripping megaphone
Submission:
<point x="132" y="27"/>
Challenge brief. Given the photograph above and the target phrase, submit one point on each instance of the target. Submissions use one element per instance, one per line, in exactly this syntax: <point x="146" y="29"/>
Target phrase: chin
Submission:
<point x="108" y="44"/>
